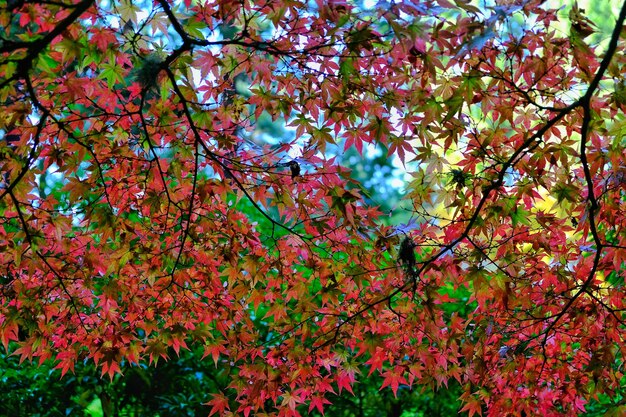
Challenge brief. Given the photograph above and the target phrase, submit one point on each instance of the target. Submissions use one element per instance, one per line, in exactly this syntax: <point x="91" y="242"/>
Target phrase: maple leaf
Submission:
<point x="213" y="349"/>
<point x="8" y="332"/>
<point x="110" y="368"/>
<point x="318" y="403"/>
<point x="473" y="406"/>
<point x="219" y="404"/>
<point x="394" y="378"/>
<point x="291" y="400"/>
<point x="377" y="360"/>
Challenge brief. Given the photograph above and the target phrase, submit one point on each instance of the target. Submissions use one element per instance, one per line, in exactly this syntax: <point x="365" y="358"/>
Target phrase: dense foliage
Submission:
<point x="144" y="211"/>
<point x="178" y="388"/>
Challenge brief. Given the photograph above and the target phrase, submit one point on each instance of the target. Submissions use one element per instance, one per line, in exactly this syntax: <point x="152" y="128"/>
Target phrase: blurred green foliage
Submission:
<point x="175" y="388"/>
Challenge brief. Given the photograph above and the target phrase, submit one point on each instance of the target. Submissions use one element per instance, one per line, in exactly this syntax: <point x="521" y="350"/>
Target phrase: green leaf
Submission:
<point x="346" y="67"/>
<point x="520" y="216"/>
<point x="565" y="192"/>
<point x="113" y="74"/>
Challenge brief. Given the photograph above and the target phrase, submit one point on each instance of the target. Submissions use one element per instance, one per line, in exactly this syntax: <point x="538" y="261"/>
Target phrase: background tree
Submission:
<point x="142" y="215"/>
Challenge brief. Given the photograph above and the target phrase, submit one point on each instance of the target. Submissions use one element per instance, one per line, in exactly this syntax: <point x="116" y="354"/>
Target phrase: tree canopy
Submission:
<point x="144" y="210"/>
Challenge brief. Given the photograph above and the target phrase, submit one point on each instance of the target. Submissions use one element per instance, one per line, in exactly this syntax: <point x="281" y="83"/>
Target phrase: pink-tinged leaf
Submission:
<point x="8" y="332"/>
<point x="473" y="406"/>
<point x="214" y="350"/>
<point x="291" y="400"/>
<point x="318" y="403"/>
<point x="376" y="361"/>
<point x="67" y="360"/>
<point x="110" y="369"/>
<point x="394" y="378"/>
<point x="345" y="379"/>
<point x="246" y="410"/>
<point x="219" y="404"/>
